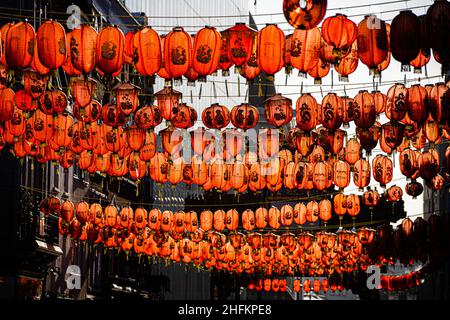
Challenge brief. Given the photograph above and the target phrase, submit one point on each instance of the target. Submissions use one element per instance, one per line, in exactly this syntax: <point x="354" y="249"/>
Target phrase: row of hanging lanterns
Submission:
<point x="178" y="54"/>
<point x="321" y="253"/>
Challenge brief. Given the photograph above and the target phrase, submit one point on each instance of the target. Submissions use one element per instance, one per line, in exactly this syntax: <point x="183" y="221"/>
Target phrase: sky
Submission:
<point x="361" y="75"/>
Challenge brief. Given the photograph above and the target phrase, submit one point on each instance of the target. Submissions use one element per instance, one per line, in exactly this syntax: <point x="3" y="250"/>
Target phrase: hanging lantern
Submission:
<point x="417" y="103"/>
<point x="244" y="116"/>
<point x="306" y="112"/>
<point x="303" y="15"/>
<point x="278" y="110"/>
<point x="371" y="198"/>
<point x="19" y="45"/>
<point x="183" y="116"/>
<point x="332" y="111"/>
<point x="339" y="32"/>
<point x="53" y="102"/>
<point x="392" y="134"/>
<point x="369" y="137"/>
<point x="437" y="20"/>
<point x="148" y="117"/>
<point x="225" y="62"/>
<point x="34" y="83"/>
<point x="167" y="99"/>
<point x="394" y="194"/>
<point x="353" y="205"/>
<point x="429" y="164"/>
<point x="396" y="106"/>
<point x="216" y="116"/>
<point x="147" y="52"/>
<point x="312" y="212"/>
<point x="207" y="44"/>
<point x="348" y="64"/>
<point x="372" y="42"/>
<point x="341" y="174"/>
<point x="51" y="44"/>
<point x="414" y="189"/>
<point x="110" y="48"/>
<point x="126" y="97"/>
<point x="305" y="49"/>
<point x="241" y="40"/>
<point x="404" y="40"/>
<point x="408" y="160"/>
<point x="271" y="44"/>
<point x="82" y="48"/>
<point x="382" y="169"/>
<point x="177" y="52"/>
<point x="364" y="110"/>
<point x="82" y="90"/>
<point x="6" y="104"/>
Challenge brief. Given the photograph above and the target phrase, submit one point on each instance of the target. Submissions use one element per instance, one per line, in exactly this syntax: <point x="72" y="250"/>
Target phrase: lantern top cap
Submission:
<point x="178" y="29"/>
<point x="168" y="90"/>
<point x="126" y="86"/>
<point x="278" y="97"/>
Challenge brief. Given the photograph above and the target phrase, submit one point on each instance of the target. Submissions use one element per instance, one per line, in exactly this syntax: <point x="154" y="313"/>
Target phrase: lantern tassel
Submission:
<point x="226" y="88"/>
<point x="259" y="88"/>
<point x="200" y="92"/>
<point x="239" y="87"/>
<point x="214" y="90"/>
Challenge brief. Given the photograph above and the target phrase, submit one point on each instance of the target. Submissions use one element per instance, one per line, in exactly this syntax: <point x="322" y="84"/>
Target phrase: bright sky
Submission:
<point x="392" y="73"/>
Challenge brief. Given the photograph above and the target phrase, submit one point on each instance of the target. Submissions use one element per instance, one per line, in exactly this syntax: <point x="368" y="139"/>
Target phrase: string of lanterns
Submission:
<point x="213" y="240"/>
<point x="178" y="54"/>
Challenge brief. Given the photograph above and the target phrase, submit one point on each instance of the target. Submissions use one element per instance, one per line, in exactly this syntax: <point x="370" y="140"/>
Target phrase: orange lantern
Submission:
<point x="303" y="15"/>
<point x="207" y="45"/>
<point x="396" y="106"/>
<point x="177" y="52"/>
<point x="305" y="49"/>
<point x="216" y="116"/>
<point x="278" y="110"/>
<point x="339" y="32"/>
<point x="19" y="45"/>
<point x="147" y="54"/>
<point x="271" y="44"/>
<point x="372" y="42"/>
<point x="306" y="112"/>
<point x="364" y="110"/>
<point x="82" y="48"/>
<point x="110" y="49"/>
<point x="244" y="116"/>
<point x="382" y="167"/>
<point x="51" y="44"/>
<point x="404" y="39"/>
<point x="241" y="39"/>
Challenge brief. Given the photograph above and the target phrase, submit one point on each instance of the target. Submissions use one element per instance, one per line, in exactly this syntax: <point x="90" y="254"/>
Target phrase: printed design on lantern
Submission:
<point x="178" y="56"/>
<point x="29" y="133"/>
<point x="204" y="53"/>
<point x="126" y="103"/>
<point x="399" y="103"/>
<point x="31" y="47"/>
<point x="356" y="111"/>
<point x="76" y="139"/>
<point x="37" y="83"/>
<point x="111" y="115"/>
<point x="164" y="168"/>
<point x="381" y="40"/>
<point x="328" y="112"/>
<point x="61" y="101"/>
<point x="238" y="50"/>
<point x="74" y="53"/>
<point x="85" y="133"/>
<point x="296" y="48"/>
<point x="378" y="171"/>
<point x="111" y="137"/>
<point x="254" y="176"/>
<point x="135" y="56"/>
<point x="134" y="166"/>
<point x="109" y="50"/>
<point x="47" y="102"/>
<point x="305" y="114"/>
<point x="350" y="110"/>
<point x="16" y="118"/>
<point x="62" y="45"/>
